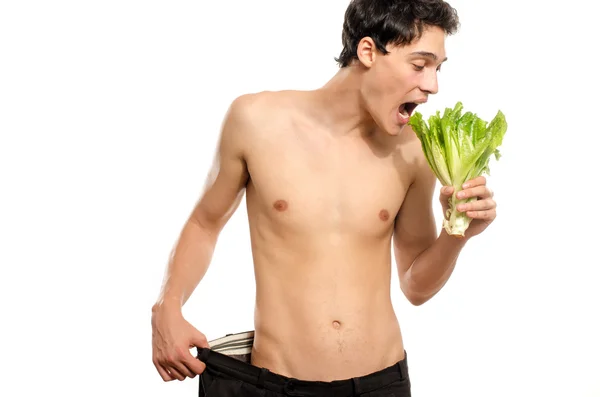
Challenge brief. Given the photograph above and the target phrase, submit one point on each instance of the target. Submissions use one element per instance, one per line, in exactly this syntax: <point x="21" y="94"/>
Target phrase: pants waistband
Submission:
<point x="264" y="378"/>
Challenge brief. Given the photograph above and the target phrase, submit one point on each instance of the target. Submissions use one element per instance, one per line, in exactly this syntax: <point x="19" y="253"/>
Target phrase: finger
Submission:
<point x="445" y="195"/>
<point x="478" y="191"/>
<point x="183" y="369"/>
<point x="180" y="360"/>
<point x="478" y="205"/>
<point x="164" y="374"/>
<point x="195" y="365"/>
<point x="479" y="181"/>
<point x="483" y="215"/>
<point x="446" y="190"/>
<point x="173" y="365"/>
<point x="175" y="373"/>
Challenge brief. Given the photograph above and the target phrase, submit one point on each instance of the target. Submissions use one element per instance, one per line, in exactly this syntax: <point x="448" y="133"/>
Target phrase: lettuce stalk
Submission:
<point x="458" y="147"/>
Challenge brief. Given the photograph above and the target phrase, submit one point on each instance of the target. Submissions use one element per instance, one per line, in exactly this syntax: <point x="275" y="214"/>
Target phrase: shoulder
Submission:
<point x="261" y="112"/>
<point x="254" y="106"/>
<point x="245" y="108"/>
<point x="243" y="117"/>
<point x="252" y="117"/>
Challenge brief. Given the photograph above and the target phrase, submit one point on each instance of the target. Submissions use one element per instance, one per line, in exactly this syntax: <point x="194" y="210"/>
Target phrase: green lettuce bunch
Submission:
<point x="458" y="147"/>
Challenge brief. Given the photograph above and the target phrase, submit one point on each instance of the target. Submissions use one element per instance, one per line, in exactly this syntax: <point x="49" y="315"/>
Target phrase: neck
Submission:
<point x="343" y="108"/>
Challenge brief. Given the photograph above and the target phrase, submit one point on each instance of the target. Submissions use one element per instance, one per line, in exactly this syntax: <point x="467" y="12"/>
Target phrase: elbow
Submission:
<point x="413" y="295"/>
<point x="416" y="300"/>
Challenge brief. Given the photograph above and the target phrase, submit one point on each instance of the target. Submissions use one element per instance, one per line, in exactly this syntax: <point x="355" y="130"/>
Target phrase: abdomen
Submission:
<point x="323" y="308"/>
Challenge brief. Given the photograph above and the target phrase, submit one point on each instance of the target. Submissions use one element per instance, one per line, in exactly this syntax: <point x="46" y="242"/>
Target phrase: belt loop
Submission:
<point x="357" y="388"/>
<point x="260" y="382"/>
<point x="403" y="368"/>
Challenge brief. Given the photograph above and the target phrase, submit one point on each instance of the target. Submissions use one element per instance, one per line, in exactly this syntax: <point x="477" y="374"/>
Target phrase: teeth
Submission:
<point x="402" y="111"/>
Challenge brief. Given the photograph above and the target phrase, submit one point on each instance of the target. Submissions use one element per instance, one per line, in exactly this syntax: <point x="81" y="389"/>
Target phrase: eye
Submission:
<point x="418" y="67"/>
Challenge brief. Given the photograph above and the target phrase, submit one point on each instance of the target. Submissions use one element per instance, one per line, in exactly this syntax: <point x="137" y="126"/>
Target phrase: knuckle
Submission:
<point x="179" y="355"/>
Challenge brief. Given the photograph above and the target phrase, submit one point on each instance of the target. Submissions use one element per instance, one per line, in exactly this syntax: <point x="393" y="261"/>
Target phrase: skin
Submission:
<point x="332" y="181"/>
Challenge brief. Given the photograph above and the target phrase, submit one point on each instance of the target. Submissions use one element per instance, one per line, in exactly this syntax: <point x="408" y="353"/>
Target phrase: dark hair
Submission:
<point x="392" y="21"/>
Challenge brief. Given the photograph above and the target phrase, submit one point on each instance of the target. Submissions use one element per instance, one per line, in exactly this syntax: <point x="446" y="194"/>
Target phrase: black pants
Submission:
<point x="226" y="376"/>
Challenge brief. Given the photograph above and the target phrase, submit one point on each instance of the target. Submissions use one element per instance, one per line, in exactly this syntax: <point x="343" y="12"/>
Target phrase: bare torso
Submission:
<point x="321" y="211"/>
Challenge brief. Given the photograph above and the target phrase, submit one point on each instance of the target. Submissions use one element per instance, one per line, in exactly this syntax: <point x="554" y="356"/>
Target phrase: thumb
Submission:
<point x="198" y="339"/>
<point x="445" y="193"/>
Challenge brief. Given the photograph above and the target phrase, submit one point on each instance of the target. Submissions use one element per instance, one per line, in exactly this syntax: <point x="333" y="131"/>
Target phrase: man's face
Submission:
<point x="394" y="84"/>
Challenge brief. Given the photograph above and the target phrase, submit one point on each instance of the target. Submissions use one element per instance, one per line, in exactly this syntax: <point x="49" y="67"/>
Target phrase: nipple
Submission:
<point x="384" y="215"/>
<point x="280" y="205"/>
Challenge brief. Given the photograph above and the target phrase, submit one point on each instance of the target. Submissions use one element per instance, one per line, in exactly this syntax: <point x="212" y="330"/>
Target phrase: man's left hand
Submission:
<point x="482" y="210"/>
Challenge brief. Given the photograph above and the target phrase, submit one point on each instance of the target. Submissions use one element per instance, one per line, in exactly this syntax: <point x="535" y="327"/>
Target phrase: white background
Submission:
<point x="109" y="115"/>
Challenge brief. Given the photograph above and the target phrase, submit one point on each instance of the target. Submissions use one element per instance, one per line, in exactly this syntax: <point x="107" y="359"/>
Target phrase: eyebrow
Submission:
<point x="428" y="55"/>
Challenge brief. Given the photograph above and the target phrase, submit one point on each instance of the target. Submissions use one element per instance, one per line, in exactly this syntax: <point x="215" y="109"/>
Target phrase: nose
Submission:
<point x="429" y="83"/>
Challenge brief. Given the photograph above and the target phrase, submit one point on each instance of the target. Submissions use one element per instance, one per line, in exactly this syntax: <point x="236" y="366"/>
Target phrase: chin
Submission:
<point x="401" y="128"/>
<point x="395" y="129"/>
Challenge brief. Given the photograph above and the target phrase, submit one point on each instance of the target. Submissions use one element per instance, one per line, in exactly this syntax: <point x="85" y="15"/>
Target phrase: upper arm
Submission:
<point x="415" y="228"/>
<point x="224" y="187"/>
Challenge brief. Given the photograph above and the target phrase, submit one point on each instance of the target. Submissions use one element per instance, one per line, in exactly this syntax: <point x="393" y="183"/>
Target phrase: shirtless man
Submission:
<point x="332" y="178"/>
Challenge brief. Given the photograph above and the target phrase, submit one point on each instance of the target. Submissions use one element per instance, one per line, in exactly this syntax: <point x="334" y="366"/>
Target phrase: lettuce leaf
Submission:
<point x="458" y="147"/>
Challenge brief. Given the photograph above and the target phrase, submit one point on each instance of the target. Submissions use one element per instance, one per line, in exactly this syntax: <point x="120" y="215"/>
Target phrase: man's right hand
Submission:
<point x="172" y="339"/>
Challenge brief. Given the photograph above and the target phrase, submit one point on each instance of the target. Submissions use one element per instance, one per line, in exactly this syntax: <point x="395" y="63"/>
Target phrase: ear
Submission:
<point x="366" y="51"/>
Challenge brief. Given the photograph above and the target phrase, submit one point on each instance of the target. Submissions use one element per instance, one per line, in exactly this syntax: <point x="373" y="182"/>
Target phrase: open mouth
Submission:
<point x="406" y="109"/>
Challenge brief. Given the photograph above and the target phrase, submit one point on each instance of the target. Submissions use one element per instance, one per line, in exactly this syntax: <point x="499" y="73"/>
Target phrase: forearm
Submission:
<point x="187" y="265"/>
<point x="432" y="268"/>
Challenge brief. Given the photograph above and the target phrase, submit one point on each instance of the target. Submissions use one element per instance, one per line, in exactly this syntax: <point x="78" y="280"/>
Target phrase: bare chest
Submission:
<point x="326" y="185"/>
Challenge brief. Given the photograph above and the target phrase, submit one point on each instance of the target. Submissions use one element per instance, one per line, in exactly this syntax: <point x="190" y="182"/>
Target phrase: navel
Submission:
<point x="280" y="205"/>
<point x="336" y="324"/>
<point x="384" y="215"/>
